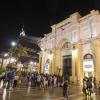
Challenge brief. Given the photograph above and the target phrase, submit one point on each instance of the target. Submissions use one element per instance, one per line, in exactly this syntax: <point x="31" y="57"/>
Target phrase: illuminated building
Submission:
<point x="75" y="47"/>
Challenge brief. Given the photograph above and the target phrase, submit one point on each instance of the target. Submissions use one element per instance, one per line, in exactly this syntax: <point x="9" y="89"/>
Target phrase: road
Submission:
<point x="28" y="93"/>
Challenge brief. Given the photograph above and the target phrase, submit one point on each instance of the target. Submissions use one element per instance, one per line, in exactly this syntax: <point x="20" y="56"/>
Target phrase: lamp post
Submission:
<point x="13" y="44"/>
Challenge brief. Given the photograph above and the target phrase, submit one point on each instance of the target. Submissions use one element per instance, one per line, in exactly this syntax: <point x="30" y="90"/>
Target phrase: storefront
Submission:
<point x="88" y="65"/>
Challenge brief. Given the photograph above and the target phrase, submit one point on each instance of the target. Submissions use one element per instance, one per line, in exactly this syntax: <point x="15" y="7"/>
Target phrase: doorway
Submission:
<point x="67" y="65"/>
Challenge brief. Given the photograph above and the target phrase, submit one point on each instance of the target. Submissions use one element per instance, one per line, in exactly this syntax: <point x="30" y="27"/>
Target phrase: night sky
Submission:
<point x="37" y="16"/>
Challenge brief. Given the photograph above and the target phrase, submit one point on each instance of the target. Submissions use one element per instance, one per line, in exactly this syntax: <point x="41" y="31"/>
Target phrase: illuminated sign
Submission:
<point x="46" y="69"/>
<point x="88" y="65"/>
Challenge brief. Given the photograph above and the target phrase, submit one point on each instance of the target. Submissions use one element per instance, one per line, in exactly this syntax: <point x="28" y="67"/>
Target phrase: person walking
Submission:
<point x="16" y="78"/>
<point x="89" y="87"/>
<point x="84" y="89"/>
<point x="65" y="89"/>
<point x="99" y="86"/>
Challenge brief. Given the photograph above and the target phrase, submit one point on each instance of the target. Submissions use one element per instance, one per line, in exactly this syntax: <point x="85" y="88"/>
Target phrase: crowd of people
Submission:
<point x="11" y="79"/>
<point x="43" y="80"/>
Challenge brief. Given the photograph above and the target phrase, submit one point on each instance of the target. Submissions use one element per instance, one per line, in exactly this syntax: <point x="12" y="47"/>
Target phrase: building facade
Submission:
<point x="73" y="47"/>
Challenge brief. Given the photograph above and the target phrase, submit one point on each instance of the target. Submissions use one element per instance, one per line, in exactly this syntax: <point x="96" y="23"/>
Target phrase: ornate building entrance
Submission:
<point x="67" y="65"/>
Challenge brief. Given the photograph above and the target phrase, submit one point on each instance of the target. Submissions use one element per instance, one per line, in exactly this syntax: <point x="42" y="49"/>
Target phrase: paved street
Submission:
<point x="39" y="94"/>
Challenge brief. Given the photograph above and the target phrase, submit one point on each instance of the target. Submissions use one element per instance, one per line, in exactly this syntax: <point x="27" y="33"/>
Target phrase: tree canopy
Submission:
<point x="18" y="51"/>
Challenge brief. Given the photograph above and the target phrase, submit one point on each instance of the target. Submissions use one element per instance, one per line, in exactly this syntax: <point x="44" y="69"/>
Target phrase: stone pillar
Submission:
<point x="97" y="59"/>
<point x="73" y="78"/>
<point x="79" y="62"/>
<point x="51" y="67"/>
<point x="77" y="74"/>
<point x="40" y="64"/>
<point x="43" y="61"/>
<point x="52" y="63"/>
<point x="60" y="63"/>
<point x="57" y="62"/>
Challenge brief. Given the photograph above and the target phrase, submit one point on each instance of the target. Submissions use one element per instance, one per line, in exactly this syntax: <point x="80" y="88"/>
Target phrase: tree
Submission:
<point x="18" y="51"/>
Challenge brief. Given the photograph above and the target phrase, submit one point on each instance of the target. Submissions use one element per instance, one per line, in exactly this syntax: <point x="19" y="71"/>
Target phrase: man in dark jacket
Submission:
<point x="65" y="89"/>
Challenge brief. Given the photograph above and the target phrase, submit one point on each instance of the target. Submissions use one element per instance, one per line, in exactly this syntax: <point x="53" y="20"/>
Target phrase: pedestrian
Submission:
<point x="55" y="81"/>
<point x="89" y="87"/>
<point x="99" y="86"/>
<point x="1" y="83"/>
<point x="45" y="82"/>
<point x="16" y="78"/>
<point x="65" y="89"/>
<point x="84" y="89"/>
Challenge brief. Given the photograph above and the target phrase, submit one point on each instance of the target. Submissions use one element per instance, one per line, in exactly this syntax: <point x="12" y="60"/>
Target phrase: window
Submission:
<point x="88" y="56"/>
<point x="66" y="45"/>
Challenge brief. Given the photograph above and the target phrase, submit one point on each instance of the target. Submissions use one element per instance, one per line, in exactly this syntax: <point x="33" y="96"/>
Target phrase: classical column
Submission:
<point x="51" y="66"/>
<point x="79" y="62"/>
<point x="96" y="45"/>
<point x="73" y="78"/>
<point x="43" y="61"/>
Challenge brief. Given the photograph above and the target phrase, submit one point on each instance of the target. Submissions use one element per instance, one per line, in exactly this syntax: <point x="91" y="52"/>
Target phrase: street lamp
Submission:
<point x="6" y="54"/>
<point x="42" y="49"/>
<point x="13" y="44"/>
<point x="31" y="63"/>
<point x="35" y="63"/>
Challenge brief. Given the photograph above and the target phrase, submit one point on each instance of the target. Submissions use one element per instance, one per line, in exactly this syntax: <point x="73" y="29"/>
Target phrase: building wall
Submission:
<point x="82" y="34"/>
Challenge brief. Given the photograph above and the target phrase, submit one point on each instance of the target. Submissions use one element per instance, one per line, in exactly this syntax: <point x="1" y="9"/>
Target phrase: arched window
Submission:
<point x="88" y="56"/>
<point x="66" y="45"/>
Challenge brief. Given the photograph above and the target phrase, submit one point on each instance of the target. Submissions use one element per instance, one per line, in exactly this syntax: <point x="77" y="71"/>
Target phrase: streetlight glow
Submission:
<point x="13" y="43"/>
<point x="13" y="60"/>
<point x="31" y="62"/>
<point x="6" y="54"/>
<point x="35" y="63"/>
<point x="42" y="49"/>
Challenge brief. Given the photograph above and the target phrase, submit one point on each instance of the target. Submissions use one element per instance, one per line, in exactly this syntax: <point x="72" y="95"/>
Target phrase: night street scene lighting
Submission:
<point x="50" y="50"/>
<point x="13" y="43"/>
